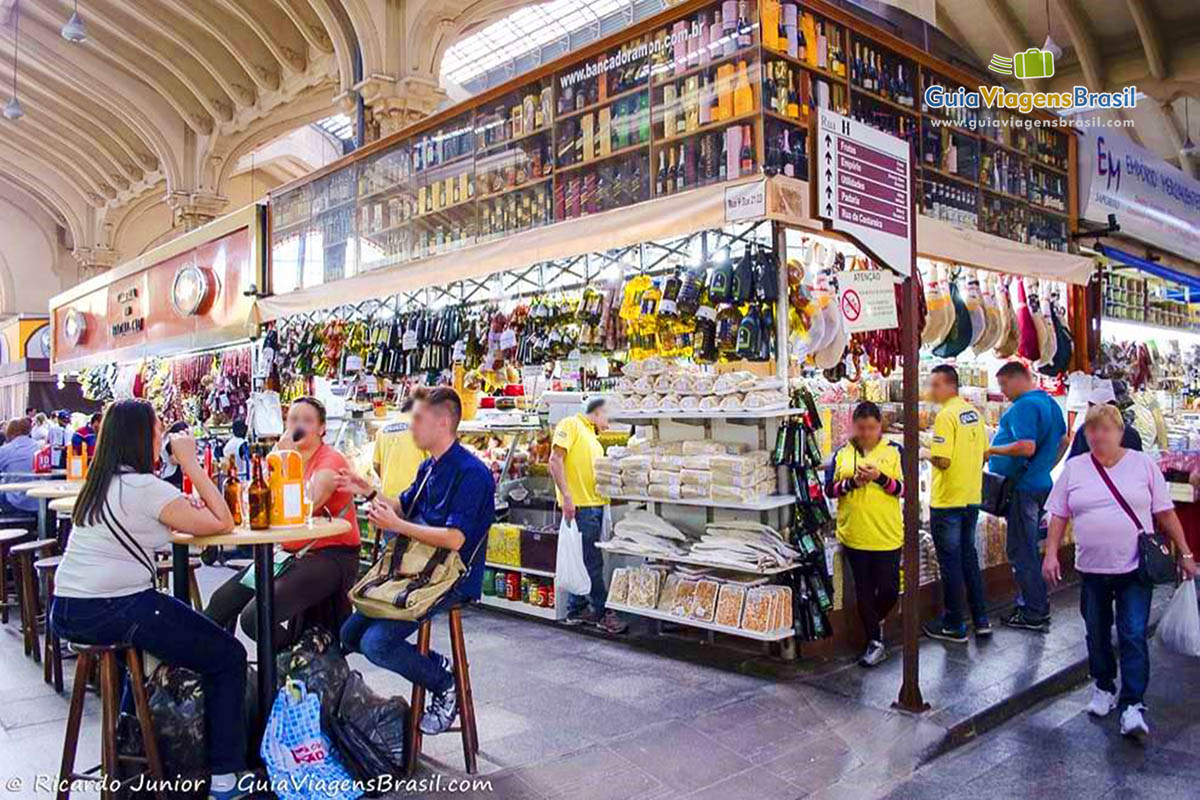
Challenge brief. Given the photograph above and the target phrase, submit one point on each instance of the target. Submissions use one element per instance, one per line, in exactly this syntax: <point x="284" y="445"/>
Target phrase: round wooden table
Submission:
<point x="63" y="505"/>
<point x="43" y="492"/>
<point x="52" y="490"/>
<point x="263" y="544"/>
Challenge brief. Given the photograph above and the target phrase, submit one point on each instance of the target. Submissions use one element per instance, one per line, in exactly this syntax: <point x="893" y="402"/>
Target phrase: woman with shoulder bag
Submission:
<point x="1112" y="497"/>
<point x="104" y="588"/>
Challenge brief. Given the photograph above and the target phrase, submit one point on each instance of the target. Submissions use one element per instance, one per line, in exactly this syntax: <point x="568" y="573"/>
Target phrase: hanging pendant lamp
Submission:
<point x="1050" y="45"/>
<point x="12" y="109"/>
<point x="74" y="31"/>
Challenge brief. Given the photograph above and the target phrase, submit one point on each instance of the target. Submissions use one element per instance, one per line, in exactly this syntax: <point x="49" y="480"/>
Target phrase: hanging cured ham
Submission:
<point x="1027" y="344"/>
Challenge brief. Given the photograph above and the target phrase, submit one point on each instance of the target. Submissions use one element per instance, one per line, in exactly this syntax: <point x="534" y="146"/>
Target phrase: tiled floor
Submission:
<point x="564" y="715"/>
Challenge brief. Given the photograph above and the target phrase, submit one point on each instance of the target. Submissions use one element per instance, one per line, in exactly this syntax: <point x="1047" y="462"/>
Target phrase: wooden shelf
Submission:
<point x="771" y="413"/>
<point x="526" y="570"/>
<point x="426" y="170"/>
<point x="1047" y="210"/>
<point x="624" y="151"/>
<point x="669" y="75"/>
<point x="878" y="98"/>
<point x="516" y="188"/>
<point x="291" y="227"/>
<point x="654" y="613"/>
<point x="335" y="207"/>
<point x="948" y="126"/>
<point x="645" y="87"/>
<point x="799" y="124"/>
<point x="1034" y="162"/>
<point x="1003" y="146"/>
<point x="395" y="187"/>
<point x="494" y="146"/>
<point x="706" y="128"/>
<point x="1012" y="198"/>
<point x="768" y="503"/>
<point x="950" y="176"/>
<point x="821" y="71"/>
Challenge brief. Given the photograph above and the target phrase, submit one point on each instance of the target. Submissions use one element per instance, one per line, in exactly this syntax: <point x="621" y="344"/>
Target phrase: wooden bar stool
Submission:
<point x="8" y="538"/>
<point x="105" y="656"/>
<point x="164" y="580"/>
<point x="24" y="554"/>
<point x="462" y="685"/>
<point x="52" y="657"/>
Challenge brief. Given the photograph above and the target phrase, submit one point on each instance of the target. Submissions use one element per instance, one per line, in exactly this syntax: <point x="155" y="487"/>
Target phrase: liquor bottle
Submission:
<point x="260" y="498"/>
<point x="791" y="24"/>
<point x="705" y="348"/>
<point x="822" y="47"/>
<point x="729" y="320"/>
<point x="682" y="179"/>
<point x="743" y="96"/>
<point x="747" y="152"/>
<point x="668" y="306"/>
<point x="856" y="66"/>
<point x="671" y="174"/>
<point x="704" y="100"/>
<point x="744" y="38"/>
<point x="233" y="491"/>
<point x="660" y="185"/>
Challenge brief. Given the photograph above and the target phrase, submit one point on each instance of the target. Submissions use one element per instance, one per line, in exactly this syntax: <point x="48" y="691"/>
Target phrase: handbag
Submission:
<point x="264" y="414"/>
<point x="410" y="578"/>
<point x="996" y="497"/>
<point x="1155" y="563"/>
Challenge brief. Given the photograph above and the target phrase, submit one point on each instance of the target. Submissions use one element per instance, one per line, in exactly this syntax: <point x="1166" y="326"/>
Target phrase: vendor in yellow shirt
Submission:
<point x="575" y="448"/>
<point x="397" y="457"/>
<point x="865" y="477"/>
<point x="956" y="455"/>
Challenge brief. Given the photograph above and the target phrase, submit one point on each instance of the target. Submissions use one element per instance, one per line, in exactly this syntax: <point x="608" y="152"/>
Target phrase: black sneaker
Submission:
<point x="576" y="618"/>
<point x="1018" y="620"/>
<point x="983" y="628"/>
<point x="936" y="629"/>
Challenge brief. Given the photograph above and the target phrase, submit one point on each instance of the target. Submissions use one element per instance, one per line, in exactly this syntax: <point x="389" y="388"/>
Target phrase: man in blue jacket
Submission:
<point x="1030" y="441"/>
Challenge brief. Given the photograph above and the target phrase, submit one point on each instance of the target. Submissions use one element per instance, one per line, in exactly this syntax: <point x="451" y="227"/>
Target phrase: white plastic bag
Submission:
<point x="300" y="759"/>
<point x="570" y="574"/>
<point x="1179" y="627"/>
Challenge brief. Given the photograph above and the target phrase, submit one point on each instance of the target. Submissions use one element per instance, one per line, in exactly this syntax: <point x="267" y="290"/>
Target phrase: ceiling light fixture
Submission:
<point x="1189" y="147"/>
<point x="1050" y="45"/>
<point x="74" y="31"/>
<point x="12" y="109"/>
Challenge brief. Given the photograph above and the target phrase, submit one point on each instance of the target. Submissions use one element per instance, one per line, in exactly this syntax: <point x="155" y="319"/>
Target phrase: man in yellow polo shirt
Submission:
<point x="396" y="456"/>
<point x="957" y="455"/>
<point x="572" y="465"/>
<point x="866" y="479"/>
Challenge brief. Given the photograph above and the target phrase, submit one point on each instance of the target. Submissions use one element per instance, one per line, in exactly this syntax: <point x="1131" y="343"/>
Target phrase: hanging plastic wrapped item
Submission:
<point x="742" y="283"/>
<point x="1027" y="346"/>
<point x="959" y="337"/>
<point x="691" y="286"/>
<point x="720" y="279"/>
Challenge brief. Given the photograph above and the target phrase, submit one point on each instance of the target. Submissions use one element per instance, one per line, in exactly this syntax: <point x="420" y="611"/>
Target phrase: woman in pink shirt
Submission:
<point x="1106" y="556"/>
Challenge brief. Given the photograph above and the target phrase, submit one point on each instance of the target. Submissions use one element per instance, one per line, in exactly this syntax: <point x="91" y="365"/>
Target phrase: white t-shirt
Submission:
<point x="95" y="563"/>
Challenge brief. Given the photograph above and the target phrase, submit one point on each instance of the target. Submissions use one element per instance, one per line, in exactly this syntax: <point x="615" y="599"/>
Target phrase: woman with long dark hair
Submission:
<point x="104" y="588"/>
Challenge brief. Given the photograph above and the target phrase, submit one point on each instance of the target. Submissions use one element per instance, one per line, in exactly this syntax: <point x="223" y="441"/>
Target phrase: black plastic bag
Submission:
<point x="369" y="731"/>
<point x="317" y="660"/>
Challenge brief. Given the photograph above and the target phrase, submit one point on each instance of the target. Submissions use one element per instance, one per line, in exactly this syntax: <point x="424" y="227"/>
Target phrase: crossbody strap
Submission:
<point x="1112" y="487"/>
<point x="126" y="540"/>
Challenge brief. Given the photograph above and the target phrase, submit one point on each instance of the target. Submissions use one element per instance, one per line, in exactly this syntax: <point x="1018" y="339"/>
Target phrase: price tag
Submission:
<point x="409" y="340"/>
<point x="508" y="339"/>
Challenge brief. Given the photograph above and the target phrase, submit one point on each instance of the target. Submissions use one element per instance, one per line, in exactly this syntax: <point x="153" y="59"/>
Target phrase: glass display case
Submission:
<point x="697" y="95"/>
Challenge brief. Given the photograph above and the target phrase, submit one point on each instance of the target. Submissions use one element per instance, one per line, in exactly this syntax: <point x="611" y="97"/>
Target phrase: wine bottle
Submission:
<point x="747" y="152"/>
<point x="660" y="186"/>
<point x="260" y="498"/>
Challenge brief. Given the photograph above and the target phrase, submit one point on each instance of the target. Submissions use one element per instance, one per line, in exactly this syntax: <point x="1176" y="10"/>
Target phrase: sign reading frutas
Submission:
<point x="867" y="300"/>
<point x="864" y="188"/>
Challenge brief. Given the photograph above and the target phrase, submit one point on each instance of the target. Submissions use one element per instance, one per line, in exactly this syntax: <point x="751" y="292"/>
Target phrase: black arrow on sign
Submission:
<point x="828" y="140"/>
<point x="828" y="193"/>
<point x="828" y="175"/>
<point x="829" y="209"/>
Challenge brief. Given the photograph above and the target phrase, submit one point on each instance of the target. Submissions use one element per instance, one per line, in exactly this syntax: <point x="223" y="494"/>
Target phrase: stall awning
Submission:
<point x="1149" y="267"/>
<point x="777" y="198"/>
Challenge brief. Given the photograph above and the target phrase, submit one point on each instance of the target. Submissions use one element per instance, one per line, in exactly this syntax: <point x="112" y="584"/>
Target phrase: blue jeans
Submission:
<point x="1024" y="514"/>
<point x="170" y="630"/>
<point x="954" y="538"/>
<point x="1132" y="599"/>
<point x="385" y="644"/>
<point x="590" y="521"/>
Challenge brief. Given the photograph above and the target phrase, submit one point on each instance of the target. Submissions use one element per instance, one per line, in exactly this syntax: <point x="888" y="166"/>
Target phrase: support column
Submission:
<point x="394" y="104"/>
<point x="193" y="209"/>
<point x="94" y="260"/>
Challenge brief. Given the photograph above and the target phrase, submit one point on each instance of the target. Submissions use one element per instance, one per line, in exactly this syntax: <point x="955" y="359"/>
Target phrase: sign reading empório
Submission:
<point x="864" y="188"/>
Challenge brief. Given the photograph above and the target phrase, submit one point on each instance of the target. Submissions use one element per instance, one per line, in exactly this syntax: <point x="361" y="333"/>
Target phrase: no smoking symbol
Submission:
<point x="851" y="305"/>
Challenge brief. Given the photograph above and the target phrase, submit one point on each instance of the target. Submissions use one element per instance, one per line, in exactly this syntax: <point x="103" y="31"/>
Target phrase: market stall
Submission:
<point x="567" y="228"/>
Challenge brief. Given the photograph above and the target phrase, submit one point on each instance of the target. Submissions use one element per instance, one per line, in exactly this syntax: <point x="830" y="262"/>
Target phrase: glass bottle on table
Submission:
<point x="260" y="498"/>
<point x="233" y="492"/>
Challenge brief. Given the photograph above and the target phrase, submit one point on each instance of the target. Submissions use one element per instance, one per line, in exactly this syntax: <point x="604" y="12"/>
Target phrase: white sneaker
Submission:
<point x="1133" y="723"/>
<point x="875" y="654"/>
<point x="1101" y="703"/>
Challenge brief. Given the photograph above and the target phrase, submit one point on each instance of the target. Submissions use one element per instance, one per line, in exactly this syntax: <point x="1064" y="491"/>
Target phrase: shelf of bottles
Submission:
<point x="705" y="98"/>
<point x="712" y="94"/>
<point x="514" y="161"/>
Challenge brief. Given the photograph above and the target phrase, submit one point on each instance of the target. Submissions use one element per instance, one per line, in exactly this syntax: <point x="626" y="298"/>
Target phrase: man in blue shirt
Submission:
<point x="16" y="455"/>
<point x="450" y="504"/>
<point x="1030" y="441"/>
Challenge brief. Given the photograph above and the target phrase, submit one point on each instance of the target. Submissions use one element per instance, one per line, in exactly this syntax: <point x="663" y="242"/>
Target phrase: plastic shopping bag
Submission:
<point x="570" y="575"/>
<point x="300" y="759"/>
<point x="1179" y="627"/>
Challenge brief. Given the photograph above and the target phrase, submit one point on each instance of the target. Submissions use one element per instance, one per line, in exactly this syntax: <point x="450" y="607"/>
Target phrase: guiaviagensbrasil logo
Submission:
<point x="1033" y="63"/>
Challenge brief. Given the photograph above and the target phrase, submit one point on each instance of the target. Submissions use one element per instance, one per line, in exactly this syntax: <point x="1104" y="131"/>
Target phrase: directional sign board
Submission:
<point x="864" y="188"/>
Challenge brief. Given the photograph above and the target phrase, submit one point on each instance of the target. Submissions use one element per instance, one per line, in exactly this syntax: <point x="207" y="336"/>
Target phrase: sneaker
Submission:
<point x="612" y="624"/>
<point x="440" y="715"/>
<point x="576" y="618"/>
<point x="936" y="629"/>
<point x="1018" y="620"/>
<point x="233" y="793"/>
<point x="874" y="655"/>
<point x="983" y="628"/>
<point x="1133" y="722"/>
<point x="1101" y="703"/>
